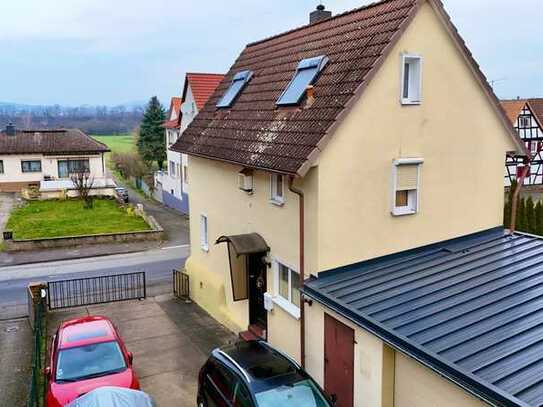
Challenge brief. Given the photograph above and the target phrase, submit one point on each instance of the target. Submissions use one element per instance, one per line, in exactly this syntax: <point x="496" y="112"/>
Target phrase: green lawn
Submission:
<point x="118" y="144"/>
<point x="42" y="219"/>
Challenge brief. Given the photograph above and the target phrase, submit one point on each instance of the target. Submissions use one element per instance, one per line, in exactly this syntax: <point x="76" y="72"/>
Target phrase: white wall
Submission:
<point x="49" y="167"/>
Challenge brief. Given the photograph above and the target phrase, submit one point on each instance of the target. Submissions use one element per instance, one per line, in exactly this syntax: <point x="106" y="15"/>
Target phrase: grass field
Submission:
<point x="42" y="219"/>
<point x="118" y="144"/>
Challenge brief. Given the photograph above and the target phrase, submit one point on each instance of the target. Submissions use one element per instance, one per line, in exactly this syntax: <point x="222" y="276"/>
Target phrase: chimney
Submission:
<point x="10" y="129"/>
<point x="319" y="14"/>
<point x="310" y="93"/>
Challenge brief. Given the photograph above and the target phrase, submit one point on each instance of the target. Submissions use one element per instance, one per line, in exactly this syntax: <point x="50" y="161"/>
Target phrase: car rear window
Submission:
<point x="85" y="362"/>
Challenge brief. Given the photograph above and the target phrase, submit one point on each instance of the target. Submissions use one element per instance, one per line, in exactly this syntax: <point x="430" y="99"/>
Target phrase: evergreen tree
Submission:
<point x="539" y="218"/>
<point x="509" y="205"/>
<point x="521" y="216"/>
<point x="530" y="215"/>
<point x="151" y="141"/>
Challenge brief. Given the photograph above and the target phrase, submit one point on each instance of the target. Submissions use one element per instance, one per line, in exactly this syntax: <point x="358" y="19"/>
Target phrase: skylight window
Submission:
<point x="239" y="81"/>
<point x="305" y="75"/>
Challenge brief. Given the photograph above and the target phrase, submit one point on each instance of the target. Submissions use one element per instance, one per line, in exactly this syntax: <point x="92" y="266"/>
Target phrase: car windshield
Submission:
<point x="301" y="394"/>
<point x="85" y="362"/>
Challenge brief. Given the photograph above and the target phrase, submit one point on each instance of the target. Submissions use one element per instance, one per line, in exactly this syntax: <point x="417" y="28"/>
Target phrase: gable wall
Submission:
<point x="461" y="179"/>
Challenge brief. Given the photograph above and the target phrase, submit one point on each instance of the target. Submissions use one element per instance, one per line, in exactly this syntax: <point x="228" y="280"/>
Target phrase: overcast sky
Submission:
<point x="109" y="52"/>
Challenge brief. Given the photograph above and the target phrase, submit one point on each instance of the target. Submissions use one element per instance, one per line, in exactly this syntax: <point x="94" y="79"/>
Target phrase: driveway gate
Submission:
<point x="96" y="290"/>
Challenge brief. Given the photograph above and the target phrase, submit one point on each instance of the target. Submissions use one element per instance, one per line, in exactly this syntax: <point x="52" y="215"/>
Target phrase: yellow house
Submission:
<point x="345" y="156"/>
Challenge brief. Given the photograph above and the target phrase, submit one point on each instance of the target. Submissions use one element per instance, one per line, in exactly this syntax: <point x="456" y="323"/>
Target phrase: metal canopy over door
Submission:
<point x="248" y="274"/>
<point x="339" y="361"/>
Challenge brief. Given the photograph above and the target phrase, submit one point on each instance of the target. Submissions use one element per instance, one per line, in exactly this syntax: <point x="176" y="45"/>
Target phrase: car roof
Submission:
<point x="85" y="331"/>
<point x="261" y="365"/>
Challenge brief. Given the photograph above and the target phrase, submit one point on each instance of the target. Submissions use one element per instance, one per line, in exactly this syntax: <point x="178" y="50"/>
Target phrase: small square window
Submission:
<point x="411" y="79"/>
<point x="277" y="189"/>
<point x="406" y="187"/>
<point x="204" y="242"/>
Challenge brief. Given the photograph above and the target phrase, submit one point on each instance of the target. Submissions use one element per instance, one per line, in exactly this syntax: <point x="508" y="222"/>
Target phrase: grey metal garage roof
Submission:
<point x="469" y="308"/>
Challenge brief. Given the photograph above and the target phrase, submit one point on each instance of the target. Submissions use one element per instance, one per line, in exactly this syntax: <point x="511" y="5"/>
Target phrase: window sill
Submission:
<point x="277" y="202"/>
<point x="288" y="307"/>
<point x="403" y="212"/>
<point x="409" y="102"/>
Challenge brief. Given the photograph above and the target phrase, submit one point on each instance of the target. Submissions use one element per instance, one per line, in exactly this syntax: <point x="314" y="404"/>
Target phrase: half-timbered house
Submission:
<point x="526" y="115"/>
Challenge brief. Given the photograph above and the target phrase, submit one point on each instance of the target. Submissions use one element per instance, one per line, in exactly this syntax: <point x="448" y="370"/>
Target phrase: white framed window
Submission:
<point x="185" y="174"/>
<point x="277" y="190"/>
<point x="406" y="186"/>
<point x="533" y="146"/>
<point x="1" y="166"/>
<point x="171" y="168"/>
<point x="287" y="289"/>
<point x="204" y="242"/>
<point x="411" y="79"/>
<point x="525" y="122"/>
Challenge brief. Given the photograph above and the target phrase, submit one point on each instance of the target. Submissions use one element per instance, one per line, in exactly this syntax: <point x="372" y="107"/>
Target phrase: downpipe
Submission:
<point x="300" y="194"/>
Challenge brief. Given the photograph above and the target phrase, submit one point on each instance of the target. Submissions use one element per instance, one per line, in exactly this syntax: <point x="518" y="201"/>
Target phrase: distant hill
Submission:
<point x="91" y="119"/>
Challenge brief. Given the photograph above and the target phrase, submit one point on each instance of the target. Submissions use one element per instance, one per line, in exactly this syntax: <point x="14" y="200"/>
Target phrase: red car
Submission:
<point x="87" y="353"/>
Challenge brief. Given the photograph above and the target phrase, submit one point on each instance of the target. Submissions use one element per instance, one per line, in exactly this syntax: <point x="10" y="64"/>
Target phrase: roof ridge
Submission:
<point x="205" y="73"/>
<point x="302" y="27"/>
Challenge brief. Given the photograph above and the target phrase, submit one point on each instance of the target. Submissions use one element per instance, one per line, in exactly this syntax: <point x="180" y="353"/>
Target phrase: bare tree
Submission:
<point x="83" y="183"/>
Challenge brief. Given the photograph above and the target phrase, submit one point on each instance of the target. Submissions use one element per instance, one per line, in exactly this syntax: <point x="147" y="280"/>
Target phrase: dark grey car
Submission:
<point x="122" y="193"/>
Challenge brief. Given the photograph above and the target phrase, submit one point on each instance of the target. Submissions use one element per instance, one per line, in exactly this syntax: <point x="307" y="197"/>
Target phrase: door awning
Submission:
<point x="250" y="243"/>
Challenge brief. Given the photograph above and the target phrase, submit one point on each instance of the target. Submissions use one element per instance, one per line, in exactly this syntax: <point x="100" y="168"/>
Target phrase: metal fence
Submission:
<point x="37" y="383"/>
<point x="181" y="285"/>
<point x="96" y="290"/>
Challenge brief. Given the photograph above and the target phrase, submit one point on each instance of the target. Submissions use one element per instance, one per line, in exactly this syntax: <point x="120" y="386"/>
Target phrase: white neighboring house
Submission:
<point x="172" y="184"/>
<point x="42" y="158"/>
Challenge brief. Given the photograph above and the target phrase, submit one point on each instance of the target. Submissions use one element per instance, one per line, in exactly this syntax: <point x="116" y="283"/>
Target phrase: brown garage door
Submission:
<point x="339" y="361"/>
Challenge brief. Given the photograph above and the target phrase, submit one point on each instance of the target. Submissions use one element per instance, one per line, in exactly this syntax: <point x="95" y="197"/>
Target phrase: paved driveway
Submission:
<point x="7" y="200"/>
<point x="170" y="341"/>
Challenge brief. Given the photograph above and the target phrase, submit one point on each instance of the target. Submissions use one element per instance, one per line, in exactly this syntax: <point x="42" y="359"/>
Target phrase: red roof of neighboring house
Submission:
<point x="254" y="132"/>
<point x="202" y="85"/>
<point x="48" y="142"/>
<point x="175" y="107"/>
<point x="537" y="108"/>
<point x="513" y="108"/>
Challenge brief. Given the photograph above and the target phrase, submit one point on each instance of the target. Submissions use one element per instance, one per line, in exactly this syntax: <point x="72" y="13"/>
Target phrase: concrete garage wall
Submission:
<point x="416" y="385"/>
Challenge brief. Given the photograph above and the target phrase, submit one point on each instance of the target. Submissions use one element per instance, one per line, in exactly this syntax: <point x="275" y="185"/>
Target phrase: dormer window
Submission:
<point x="305" y="75"/>
<point x="411" y="79"/>
<point x="238" y="83"/>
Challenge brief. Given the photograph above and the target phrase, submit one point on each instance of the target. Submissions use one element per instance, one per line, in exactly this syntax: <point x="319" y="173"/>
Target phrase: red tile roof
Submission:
<point x="513" y="108"/>
<point x="536" y="105"/>
<point x="175" y="106"/>
<point x="255" y="133"/>
<point x="202" y="85"/>
<point x="63" y="141"/>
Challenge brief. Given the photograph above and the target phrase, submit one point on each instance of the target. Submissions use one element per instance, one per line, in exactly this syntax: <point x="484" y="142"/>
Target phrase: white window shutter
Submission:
<point x="407" y="177"/>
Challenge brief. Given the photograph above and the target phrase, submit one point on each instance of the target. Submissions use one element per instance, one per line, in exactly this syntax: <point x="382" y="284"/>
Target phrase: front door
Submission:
<point x="257" y="288"/>
<point x="338" y="361"/>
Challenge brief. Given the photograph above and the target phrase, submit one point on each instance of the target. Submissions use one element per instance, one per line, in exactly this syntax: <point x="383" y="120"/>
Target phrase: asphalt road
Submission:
<point x="157" y="264"/>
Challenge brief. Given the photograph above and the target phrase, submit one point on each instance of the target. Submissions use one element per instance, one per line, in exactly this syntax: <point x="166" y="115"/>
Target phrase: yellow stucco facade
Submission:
<point x="348" y="194"/>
